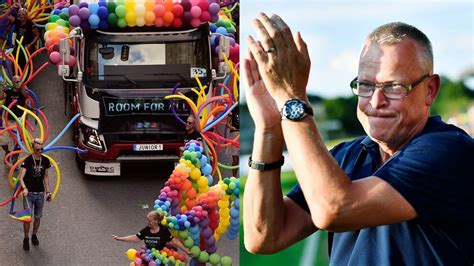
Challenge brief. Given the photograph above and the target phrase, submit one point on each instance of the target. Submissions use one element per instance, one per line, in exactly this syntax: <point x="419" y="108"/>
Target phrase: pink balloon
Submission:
<point x="158" y="22"/>
<point x="195" y="22"/>
<point x="72" y="61"/>
<point x="159" y="10"/>
<point x="195" y="12"/>
<point x="55" y="57"/>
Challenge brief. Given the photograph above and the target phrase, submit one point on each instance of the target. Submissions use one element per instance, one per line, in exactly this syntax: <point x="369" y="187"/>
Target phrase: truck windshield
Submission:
<point x="147" y="65"/>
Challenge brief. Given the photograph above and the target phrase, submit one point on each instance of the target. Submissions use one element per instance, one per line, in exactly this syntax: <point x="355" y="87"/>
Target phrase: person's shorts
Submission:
<point x="234" y="151"/>
<point x="36" y="201"/>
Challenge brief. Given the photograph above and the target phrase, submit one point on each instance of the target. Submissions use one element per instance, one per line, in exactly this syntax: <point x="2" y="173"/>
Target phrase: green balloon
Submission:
<point x="214" y="259"/>
<point x="195" y="250"/>
<point x="61" y="22"/>
<point x="121" y="23"/>
<point x="64" y="16"/>
<point x="120" y="2"/>
<point x="112" y="19"/>
<point x="226" y="261"/>
<point x="111" y="7"/>
<point x="53" y="18"/>
<point x="203" y="257"/>
<point x="67" y="24"/>
<point x="189" y="242"/>
<point x="183" y="234"/>
<point x="121" y="11"/>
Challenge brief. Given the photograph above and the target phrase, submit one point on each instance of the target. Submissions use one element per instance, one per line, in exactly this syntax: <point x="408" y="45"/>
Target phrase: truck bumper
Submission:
<point x="109" y="163"/>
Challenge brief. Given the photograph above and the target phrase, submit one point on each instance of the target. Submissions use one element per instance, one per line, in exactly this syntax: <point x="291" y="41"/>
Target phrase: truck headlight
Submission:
<point x="90" y="138"/>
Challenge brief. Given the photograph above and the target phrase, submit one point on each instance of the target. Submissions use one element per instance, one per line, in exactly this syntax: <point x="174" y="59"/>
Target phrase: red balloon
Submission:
<point x="205" y="16"/>
<point x="177" y="23"/>
<point x="203" y="4"/>
<point x="177" y="10"/>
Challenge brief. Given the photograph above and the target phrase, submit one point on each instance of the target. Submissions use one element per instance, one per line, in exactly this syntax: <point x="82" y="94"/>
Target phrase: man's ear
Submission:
<point x="434" y="84"/>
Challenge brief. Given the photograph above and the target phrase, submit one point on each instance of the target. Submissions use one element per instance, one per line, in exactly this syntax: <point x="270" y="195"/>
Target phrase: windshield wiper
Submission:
<point x="119" y="75"/>
<point x="167" y="74"/>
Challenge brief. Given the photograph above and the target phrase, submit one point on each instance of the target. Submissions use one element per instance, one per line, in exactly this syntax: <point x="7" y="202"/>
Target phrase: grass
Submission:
<point x="291" y="255"/>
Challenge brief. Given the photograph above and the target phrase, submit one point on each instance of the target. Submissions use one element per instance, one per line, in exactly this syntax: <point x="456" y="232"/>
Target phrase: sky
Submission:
<point x="335" y="31"/>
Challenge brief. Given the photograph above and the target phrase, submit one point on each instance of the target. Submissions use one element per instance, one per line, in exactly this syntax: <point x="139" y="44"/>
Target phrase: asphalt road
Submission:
<point x="77" y="226"/>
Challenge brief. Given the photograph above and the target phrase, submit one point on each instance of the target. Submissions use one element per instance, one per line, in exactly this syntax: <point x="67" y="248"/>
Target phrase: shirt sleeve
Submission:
<point x="433" y="175"/>
<point x="141" y="235"/>
<point x="47" y="163"/>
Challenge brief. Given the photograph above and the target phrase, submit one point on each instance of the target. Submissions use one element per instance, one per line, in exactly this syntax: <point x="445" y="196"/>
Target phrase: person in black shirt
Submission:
<point x="25" y="28"/>
<point x="15" y="93"/>
<point x="154" y="235"/>
<point x="191" y="132"/>
<point x="9" y="95"/>
<point x="34" y="180"/>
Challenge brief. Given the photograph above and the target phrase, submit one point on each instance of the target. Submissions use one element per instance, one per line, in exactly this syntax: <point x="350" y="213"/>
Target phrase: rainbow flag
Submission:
<point x="22" y="216"/>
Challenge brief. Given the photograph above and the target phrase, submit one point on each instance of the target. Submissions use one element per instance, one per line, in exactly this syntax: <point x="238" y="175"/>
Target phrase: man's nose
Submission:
<point x="378" y="99"/>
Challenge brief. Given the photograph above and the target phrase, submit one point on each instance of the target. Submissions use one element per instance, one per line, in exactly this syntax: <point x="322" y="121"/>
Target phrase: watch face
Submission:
<point x="293" y="110"/>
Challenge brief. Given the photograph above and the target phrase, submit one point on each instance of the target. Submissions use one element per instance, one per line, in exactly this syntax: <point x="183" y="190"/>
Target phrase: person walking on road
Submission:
<point x="34" y="181"/>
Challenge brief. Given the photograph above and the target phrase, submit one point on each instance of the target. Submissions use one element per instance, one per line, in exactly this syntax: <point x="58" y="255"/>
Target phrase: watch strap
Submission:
<point x="266" y="166"/>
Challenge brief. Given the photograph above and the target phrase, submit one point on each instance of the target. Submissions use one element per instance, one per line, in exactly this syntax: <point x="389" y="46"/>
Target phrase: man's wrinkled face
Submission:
<point x="387" y="120"/>
<point x="16" y="82"/>
<point x="190" y="124"/>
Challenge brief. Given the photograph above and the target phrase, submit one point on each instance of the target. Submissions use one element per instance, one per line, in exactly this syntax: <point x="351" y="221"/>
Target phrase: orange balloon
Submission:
<point x="168" y="5"/>
<point x="149" y="5"/>
<point x="168" y="18"/>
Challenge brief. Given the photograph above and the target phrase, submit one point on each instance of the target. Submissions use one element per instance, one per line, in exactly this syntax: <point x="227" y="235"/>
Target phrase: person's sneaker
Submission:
<point x="34" y="240"/>
<point x="26" y="244"/>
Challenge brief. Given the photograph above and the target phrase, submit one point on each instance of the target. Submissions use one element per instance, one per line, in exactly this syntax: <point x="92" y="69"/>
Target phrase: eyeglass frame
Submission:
<point x="408" y="87"/>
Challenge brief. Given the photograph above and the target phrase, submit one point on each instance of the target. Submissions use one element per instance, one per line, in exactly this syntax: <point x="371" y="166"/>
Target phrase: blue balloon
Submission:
<point x="221" y="30"/>
<point x="93" y="7"/>
<point x="206" y="169"/>
<point x="94" y="21"/>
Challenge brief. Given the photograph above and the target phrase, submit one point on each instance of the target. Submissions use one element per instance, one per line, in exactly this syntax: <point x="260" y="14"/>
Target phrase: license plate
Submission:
<point x="147" y="147"/>
<point x="112" y="169"/>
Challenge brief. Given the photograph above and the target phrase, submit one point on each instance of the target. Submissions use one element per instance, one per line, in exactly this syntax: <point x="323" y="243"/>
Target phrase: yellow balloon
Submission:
<point x="131" y="18"/>
<point x="131" y="254"/>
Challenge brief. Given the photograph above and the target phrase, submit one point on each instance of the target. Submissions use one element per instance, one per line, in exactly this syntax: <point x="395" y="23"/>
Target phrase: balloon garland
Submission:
<point x="196" y="212"/>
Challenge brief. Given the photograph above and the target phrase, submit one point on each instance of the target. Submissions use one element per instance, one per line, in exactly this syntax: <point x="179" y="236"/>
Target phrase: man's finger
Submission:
<point x="262" y="32"/>
<point x="257" y="51"/>
<point x="285" y="31"/>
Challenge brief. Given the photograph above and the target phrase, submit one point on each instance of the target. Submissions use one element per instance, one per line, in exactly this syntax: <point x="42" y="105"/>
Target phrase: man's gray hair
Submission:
<point x="395" y="32"/>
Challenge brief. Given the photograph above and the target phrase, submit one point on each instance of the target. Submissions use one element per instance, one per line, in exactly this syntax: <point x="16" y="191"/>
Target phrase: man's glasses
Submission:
<point x="395" y="91"/>
<point x="39" y="149"/>
<point x="189" y="123"/>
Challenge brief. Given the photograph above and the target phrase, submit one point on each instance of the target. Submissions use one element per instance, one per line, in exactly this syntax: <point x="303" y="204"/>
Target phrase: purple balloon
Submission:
<point x="206" y="233"/>
<point x="83" y="4"/>
<point x="73" y="10"/>
<point x="214" y="8"/>
<point x="102" y="12"/>
<point x="75" y="20"/>
<point x="210" y="241"/>
<point x="211" y="249"/>
<point x="214" y="18"/>
<point x="186" y="5"/>
<point x="84" y="13"/>
<point x="186" y="18"/>
<point x="85" y="24"/>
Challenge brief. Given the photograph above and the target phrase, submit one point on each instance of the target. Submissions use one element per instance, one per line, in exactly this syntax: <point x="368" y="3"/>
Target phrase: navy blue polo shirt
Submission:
<point x="434" y="174"/>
